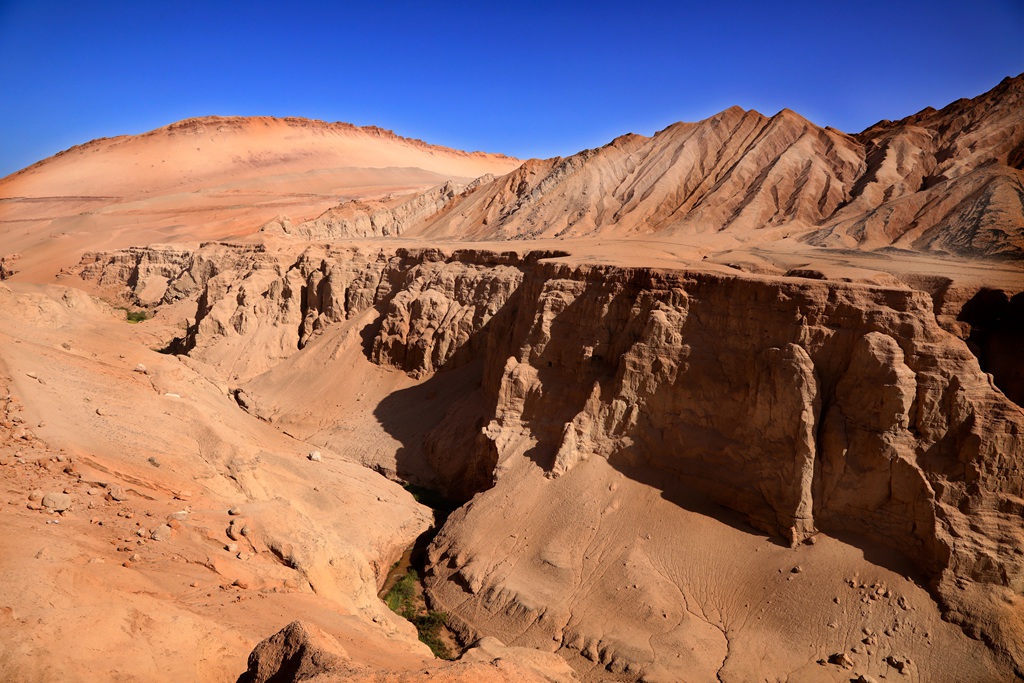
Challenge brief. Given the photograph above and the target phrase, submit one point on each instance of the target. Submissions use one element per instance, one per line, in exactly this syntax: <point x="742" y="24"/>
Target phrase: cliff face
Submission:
<point x="805" y="405"/>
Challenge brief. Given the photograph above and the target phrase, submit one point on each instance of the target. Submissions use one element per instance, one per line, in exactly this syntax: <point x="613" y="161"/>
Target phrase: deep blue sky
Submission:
<point x="524" y="78"/>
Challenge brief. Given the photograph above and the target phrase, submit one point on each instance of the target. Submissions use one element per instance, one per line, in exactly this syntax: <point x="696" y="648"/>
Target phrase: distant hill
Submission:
<point x="208" y="178"/>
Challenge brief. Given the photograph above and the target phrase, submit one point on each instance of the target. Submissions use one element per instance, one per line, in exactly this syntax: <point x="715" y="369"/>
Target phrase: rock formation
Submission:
<point x="861" y="413"/>
<point x="737" y="401"/>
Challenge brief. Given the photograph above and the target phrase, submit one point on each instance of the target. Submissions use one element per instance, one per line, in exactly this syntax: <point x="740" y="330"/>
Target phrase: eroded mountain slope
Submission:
<point x="947" y="181"/>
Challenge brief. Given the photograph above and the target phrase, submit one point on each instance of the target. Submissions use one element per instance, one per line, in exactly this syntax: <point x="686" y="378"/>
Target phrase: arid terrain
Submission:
<point x="739" y="401"/>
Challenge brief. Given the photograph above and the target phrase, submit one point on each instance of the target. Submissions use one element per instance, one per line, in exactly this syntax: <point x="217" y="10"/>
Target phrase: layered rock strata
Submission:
<point x="860" y="412"/>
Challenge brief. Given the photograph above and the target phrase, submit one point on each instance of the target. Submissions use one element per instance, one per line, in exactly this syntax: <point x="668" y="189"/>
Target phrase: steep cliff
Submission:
<point x="807" y="405"/>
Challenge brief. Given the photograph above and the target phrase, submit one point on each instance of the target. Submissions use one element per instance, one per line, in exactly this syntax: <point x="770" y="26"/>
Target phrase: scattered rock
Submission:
<point x="58" y="502"/>
<point x="35" y="496"/>
<point x="180" y="515"/>
<point x="315" y="456"/>
<point x="231" y="547"/>
<point x="897" y="663"/>
<point x="153" y="461"/>
<point x="841" y="659"/>
<point x="299" y="651"/>
<point x="864" y="678"/>
<point x="235" y="511"/>
<point x="135" y="557"/>
<point x="161" y="533"/>
<point x="140" y="368"/>
<point x="797" y="569"/>
<point x="100" y="411"/>
<point x="232" y="531"/>
<point x="117" y="493"/>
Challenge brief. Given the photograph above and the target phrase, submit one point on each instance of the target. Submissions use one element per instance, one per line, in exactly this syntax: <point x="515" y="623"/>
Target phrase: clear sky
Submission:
<point x="525" y="78"/>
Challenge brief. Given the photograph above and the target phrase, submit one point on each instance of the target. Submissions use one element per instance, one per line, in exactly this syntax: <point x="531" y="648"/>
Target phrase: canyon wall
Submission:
<point x="859" y="412"/>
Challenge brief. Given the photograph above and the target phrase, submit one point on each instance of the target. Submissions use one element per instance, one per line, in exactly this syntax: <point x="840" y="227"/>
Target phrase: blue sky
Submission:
<point x="524" y="78"/>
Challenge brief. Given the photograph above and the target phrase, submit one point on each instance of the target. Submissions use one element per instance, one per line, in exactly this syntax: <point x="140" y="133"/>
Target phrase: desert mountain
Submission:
<point x="948" y="182"/>
<point x="210" y="178"/>
<point x="738" y="401"/>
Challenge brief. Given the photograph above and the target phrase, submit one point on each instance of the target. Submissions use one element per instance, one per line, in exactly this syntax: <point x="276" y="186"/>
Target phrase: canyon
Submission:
<point x="737" y="401"/>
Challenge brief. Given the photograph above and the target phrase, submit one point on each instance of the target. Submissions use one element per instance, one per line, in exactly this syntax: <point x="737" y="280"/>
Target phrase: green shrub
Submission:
<point x="429" y="627"/>
<point x="402" y="600"/>
<point x="136" y="316"/>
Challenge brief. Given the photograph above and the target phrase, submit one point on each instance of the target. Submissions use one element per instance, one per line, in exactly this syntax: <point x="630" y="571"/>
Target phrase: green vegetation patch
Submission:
<point x="136" y="316"/>
<point x="402" y="599"/>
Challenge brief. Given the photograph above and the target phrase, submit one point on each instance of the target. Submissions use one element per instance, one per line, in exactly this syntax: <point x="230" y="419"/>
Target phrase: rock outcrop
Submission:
<point x="387" y="217"/>
<point x="298" y="652"/>
<point x="304" y="652"/>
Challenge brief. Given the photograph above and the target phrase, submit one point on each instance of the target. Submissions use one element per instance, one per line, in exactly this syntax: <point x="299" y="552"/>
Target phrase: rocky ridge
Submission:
<point x="947" y="181"/>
